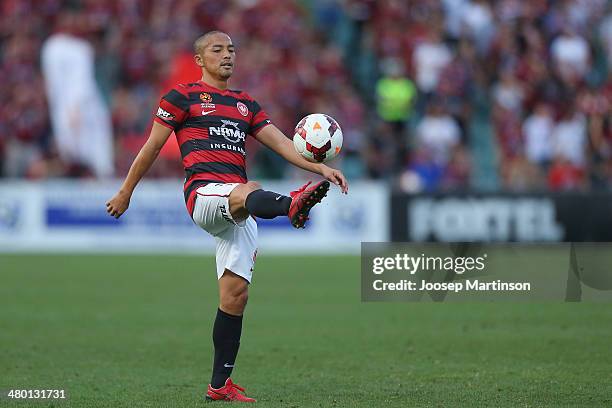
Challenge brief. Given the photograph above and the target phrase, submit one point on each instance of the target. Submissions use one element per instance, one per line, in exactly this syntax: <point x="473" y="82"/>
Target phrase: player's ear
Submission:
<point x="198" y="60"/>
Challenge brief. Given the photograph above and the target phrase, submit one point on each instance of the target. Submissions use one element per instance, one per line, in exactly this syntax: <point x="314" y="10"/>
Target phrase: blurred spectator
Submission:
<point x="519" y="174"/>
<point x="537" y="131"/>
<point x="571" y="55"/>
<point x="564" y="175"/>
<point x="507" y="126"/>
<point x="477" y="23"/>
<point x="605" y="32"/>
<point x="597" y="108"/>
<point x="457" y="76"/>
<point x="80" y="119"/>
<point x="508" y="92"/>
<point x="395" y="94"/>
<point x="569" y="138"/>
<point x="430" y="57"/>
<point x="457" y="172"/>
<point x="423" y="174"/>
<point x="438" y="133"/>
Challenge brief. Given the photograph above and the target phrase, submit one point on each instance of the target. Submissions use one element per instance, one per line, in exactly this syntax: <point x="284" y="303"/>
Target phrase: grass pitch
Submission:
<point x="135" y="331"/>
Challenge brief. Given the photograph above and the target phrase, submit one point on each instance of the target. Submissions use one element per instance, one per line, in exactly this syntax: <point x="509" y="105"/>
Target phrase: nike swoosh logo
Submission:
<point x="208" y="112"/>
<point x="278" y="198"/>
<point x="228" y="365"/>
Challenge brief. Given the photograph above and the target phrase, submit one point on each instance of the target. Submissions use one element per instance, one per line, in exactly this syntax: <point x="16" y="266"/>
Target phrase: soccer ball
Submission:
<point x="318" y="138"/>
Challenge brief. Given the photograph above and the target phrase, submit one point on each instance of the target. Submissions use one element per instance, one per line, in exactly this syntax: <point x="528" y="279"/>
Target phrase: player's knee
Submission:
<point x="234" y="293"/>
<point x="240" y="193"/>
<point x="234" y="303"/>
<point x="242" y="299"/>
<point x="253" y="185"/>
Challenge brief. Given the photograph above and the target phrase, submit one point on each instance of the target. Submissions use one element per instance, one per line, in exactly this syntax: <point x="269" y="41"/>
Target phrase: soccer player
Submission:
<point x="211" y="123"/>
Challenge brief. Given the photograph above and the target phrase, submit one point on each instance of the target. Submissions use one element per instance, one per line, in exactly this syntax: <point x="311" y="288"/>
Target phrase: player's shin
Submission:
<point x="226" y="339"/>
<point x="267" y="204"/>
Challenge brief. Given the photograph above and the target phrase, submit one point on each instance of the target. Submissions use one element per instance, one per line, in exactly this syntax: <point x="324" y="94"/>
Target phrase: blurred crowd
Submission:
<point x="504" y="94"/>
<point x="431" y="95"/>
<point x="142" y="48"/>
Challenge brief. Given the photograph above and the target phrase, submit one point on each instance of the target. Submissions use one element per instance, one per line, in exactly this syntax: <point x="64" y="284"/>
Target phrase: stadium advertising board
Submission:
<point x="71" y="216"/>
<point x="571" y="217"/>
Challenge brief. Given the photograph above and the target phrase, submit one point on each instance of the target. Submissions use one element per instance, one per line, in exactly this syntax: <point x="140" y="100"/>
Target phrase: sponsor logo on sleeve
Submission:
<point x="164" y="114"/>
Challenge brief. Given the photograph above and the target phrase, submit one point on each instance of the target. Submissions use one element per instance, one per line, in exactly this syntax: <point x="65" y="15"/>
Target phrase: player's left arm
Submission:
<point x="273" y="138"/>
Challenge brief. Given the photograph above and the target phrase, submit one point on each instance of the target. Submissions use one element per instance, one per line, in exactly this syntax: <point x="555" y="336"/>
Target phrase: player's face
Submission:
<point x="219" y="56"/>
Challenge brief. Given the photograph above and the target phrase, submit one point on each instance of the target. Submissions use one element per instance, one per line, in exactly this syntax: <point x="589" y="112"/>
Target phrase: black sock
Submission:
<point x="266" y="204"/>
<point x="226" y="338"/>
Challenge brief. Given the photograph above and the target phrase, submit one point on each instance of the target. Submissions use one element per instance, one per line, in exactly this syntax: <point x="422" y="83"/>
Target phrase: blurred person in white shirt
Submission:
<point x="478" y="23"/>
<point x="570" y="137"/>
<point x="508" y="92"/>
<point x="439" y="133"/>
<point x="80" y="119"/>
<point x="537" y="132"/>
<point x="571" y="55"/>
<point x="430" y="57"/>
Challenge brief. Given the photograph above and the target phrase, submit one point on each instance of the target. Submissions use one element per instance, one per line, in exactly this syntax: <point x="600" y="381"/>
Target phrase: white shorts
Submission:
<point x="236" y="242"/>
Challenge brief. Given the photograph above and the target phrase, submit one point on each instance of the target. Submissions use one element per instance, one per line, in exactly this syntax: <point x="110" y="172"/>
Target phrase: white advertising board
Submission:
<point x="71" y="217"/>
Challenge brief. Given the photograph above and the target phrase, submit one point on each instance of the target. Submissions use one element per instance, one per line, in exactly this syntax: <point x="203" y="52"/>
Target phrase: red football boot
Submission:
<point x="303" y="199"/>
<point x="229" y="392"/>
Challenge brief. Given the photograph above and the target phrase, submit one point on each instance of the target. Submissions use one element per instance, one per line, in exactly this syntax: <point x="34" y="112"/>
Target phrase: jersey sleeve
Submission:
<point x="173" y="109"/>
<point x="259" y="119"/>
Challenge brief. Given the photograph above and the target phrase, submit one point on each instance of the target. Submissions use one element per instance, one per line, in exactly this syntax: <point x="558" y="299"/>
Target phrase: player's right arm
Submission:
<point x="142" y="163"/>
<point x="173" y="110"/>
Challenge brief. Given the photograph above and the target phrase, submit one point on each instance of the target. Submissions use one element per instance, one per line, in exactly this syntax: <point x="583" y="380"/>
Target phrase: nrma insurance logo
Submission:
<point x="230" y="130"/>
<point x="9" y="215"/>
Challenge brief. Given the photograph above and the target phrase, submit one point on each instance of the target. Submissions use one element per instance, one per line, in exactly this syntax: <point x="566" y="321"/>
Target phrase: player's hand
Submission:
<point x="336" y="177"/>
<point x="118" y="204"/>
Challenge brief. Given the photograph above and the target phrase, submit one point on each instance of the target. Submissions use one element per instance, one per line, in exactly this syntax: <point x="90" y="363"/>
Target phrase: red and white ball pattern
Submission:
<point x="318" y="138"/>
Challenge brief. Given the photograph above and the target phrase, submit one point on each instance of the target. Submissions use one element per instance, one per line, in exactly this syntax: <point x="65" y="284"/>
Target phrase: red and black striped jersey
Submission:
<point x="211" y="126"/>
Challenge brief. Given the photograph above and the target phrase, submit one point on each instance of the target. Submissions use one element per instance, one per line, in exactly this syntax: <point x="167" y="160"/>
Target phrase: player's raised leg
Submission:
<point x="249" y="199"/>
<point x="233" y="296"/>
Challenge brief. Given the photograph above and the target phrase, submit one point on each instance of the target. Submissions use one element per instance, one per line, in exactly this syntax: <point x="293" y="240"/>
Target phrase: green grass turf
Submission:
<point x="130" y="331"/>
